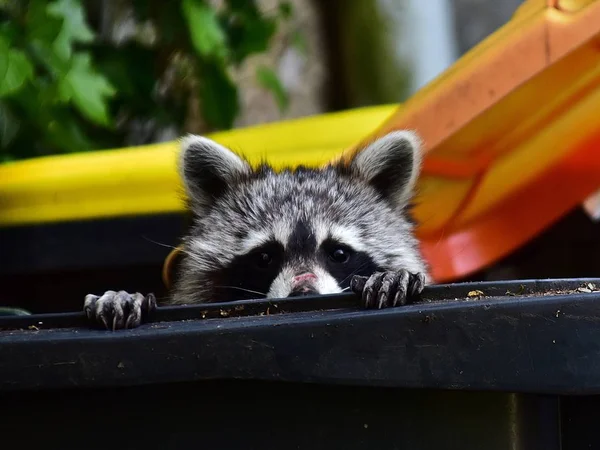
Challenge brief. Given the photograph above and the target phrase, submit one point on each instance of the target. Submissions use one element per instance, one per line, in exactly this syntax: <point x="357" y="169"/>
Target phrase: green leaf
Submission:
<point x="206" y="33"/>
<point x="74" y="26"/>
<point x="47" y="128"/>
<point x="251" y="36"/>
<point x="9" y="126"/>
<point x="15" y="69"/>
<point x="247" y="29"/>
<point x="43" y="54"/>
<point x="219" y="97"/>
<point x="87" y="89"/>
<point x="268" y="79"/>
<point x="40" y="26"/>
<point x="42" y="31"/>
<point x="299" y="42"/>
<point x="286" y="10"/>
<point x="132" y="68"/>
<point x="10" y="31"/>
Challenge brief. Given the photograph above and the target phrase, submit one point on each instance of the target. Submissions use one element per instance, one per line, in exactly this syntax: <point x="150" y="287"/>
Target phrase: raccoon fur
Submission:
<point x="258" y="232"/>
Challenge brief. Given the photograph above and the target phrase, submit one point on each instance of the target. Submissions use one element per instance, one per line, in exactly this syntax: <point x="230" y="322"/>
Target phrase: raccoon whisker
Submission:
<point x="345" y="289"/>
<point x="192" y="255"/>
<point x="159" y="243"/>
<point x="354" y="272"/>
<point x="242" y="289"/>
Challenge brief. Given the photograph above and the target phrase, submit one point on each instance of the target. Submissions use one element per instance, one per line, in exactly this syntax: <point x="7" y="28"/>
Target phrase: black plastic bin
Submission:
<point x="511" y="365"/>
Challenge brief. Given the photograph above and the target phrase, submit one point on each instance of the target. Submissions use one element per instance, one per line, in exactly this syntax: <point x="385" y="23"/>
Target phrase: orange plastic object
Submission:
<point x="511" y="136"/>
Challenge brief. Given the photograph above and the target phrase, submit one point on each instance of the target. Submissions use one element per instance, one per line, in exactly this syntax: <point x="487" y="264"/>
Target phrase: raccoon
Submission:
<point x="265" y="233"/>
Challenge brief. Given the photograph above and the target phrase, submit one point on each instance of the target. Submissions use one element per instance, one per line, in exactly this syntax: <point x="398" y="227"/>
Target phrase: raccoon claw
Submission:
<point x="118" y="310"/>
<point x="388" y="289"/>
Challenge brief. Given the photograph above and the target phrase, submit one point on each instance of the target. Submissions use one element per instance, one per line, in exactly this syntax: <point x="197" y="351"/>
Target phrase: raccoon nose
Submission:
<point x="303" y="284"/>
<point x="303" y="279"/>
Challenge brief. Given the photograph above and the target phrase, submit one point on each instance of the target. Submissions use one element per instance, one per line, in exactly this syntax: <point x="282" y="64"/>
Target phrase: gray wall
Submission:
<point x="476" y="19"/>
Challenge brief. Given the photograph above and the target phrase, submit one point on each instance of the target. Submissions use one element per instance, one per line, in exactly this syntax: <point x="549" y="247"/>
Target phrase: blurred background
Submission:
<point x="87" y="75"/>
<point x="79" y="76"/>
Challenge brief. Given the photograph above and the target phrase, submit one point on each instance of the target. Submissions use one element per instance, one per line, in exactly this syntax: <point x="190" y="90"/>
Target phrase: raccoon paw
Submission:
<point x="385" y="289"/>
<point x="118" y="310"/>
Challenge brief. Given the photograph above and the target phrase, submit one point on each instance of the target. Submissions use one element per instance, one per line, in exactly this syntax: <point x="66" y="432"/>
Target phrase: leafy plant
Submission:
<point x="67" y="87"/>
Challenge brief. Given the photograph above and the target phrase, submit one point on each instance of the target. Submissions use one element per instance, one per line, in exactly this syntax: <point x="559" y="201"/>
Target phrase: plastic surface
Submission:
<point x="517" y="338"/>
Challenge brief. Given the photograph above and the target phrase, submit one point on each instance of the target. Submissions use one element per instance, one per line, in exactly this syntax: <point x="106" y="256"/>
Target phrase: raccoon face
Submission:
<point x="266" y="233"/>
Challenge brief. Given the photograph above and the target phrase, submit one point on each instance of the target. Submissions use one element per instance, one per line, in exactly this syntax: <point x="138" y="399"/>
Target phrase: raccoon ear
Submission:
<point x="208" y="169"/>
<point x="391" y="164"/>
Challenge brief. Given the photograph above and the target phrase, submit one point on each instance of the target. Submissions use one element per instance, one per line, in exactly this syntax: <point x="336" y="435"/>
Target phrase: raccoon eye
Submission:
<point x="340" y="255"/>
<point x="264" y="260"/>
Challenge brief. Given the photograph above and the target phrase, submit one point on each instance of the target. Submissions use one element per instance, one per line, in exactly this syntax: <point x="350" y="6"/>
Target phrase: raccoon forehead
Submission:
<point x="280" y="231"/>
<point x="309" y="195"/>
<point x="289" y="190"/>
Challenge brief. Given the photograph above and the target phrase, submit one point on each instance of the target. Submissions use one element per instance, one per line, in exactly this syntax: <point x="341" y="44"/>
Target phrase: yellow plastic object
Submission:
<point x="144" y="180"/>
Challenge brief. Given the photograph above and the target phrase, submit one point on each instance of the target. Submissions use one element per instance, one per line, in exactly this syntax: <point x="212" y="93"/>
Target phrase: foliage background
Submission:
<point x="64" y="88"/>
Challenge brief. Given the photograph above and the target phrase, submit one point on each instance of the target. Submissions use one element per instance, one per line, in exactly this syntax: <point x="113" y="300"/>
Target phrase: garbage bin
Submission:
<point x="471" y="366"/>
